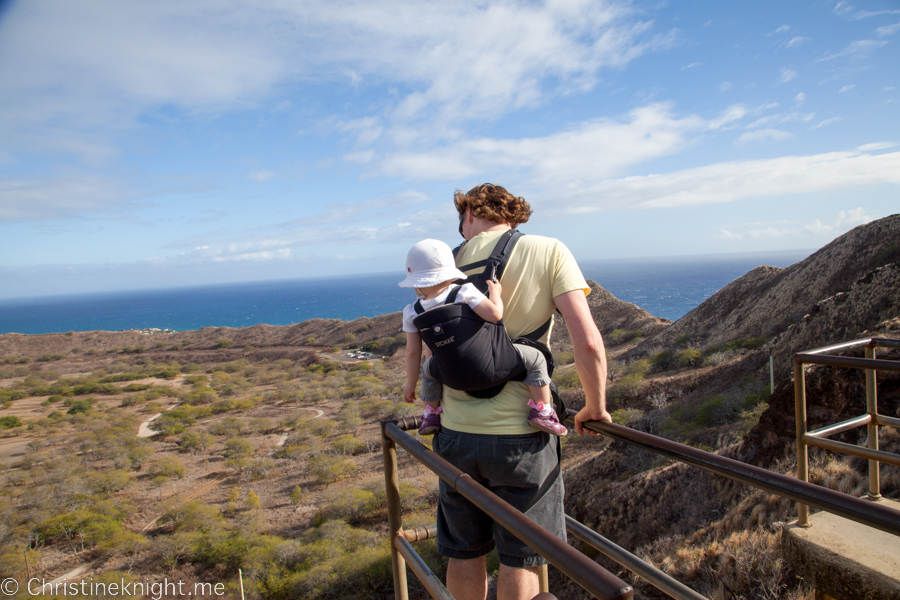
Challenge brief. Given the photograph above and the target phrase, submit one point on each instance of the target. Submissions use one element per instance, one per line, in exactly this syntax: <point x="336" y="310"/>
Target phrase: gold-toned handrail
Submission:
<point x="871" y="419"/>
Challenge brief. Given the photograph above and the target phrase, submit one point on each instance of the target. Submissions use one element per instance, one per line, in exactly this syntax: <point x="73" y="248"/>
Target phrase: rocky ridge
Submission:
<point x="768" y="300"/>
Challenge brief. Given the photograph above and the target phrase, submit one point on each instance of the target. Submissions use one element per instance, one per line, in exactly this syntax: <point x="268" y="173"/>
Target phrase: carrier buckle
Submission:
<point x="438" y="330"/>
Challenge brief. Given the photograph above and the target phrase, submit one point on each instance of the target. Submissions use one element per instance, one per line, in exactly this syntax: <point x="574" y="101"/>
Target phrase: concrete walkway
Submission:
<point x="844" y="559"/>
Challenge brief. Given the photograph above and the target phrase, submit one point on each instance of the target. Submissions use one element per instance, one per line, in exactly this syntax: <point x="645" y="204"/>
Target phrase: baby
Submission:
<point x="431" y="270"/>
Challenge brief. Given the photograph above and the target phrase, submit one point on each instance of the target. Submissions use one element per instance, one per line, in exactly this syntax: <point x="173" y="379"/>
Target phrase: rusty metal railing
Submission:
<point x="587" y="573"/>
<point x="871" y="419"/>
<point x="591" y="576"/>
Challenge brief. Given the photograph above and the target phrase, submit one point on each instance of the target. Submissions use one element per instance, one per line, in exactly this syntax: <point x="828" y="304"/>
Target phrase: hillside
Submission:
<point x="266" y="455"/>
<point x="767" y="300"/>
<point x="703" y="381"/>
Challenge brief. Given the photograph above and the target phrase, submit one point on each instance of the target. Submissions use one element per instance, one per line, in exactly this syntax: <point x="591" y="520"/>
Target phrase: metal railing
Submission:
<point x="871" y="419"/>
<point x="586" y="572"/>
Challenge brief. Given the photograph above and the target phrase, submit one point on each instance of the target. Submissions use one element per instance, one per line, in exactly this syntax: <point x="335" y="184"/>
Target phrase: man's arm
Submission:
<point x="590" y="356"/>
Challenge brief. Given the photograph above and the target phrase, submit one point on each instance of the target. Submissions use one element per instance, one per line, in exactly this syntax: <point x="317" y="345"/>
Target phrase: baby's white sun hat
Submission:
<point x="429" y="263"/>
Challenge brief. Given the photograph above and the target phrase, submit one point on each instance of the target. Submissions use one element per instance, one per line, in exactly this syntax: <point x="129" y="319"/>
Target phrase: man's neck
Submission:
<point x="485" y="226"/>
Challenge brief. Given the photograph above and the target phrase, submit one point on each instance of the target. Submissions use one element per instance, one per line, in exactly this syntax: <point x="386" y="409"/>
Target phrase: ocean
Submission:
<point x="665" y="287"/>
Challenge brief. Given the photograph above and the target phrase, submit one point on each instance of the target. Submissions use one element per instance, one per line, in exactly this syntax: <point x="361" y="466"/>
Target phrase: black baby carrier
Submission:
<point x="471" y="354"/>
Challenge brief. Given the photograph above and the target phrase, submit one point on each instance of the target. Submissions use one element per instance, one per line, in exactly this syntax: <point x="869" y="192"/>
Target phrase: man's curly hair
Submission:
<point x="494" y="203"/>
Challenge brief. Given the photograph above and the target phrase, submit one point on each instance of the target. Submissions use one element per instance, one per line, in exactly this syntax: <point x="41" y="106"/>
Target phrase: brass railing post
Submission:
<point x="872" y="427"/>
<point x="395" y="521"/>
<point x="544" y="578"/>
<point x="802" y="450"/>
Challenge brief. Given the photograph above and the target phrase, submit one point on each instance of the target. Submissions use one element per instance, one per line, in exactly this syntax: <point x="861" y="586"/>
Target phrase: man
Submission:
<point x="490" y="439"/>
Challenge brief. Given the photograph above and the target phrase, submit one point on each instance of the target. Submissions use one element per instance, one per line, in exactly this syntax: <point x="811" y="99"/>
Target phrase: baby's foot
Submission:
<point x="546" y="420"/>
<point x="431" y="423"/>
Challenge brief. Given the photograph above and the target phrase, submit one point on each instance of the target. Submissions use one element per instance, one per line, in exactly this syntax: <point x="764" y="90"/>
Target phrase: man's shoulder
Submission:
<point x="537" y="240"/>
<point x="540" y="244"/>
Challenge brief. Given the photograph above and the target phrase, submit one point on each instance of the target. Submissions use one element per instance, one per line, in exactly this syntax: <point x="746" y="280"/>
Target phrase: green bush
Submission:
<point x="238" y="448"/>
<point x="629" y="385"/>
<point x="566" y="379"/>
<point x="638" y="367"/>
<point x="328" y="469"/>
<point x="750" y="343"/>
<point x="621" y="336"/>
<point x="9" y="422"/>
<point x="689" y="357"/>
<point x="564" y="358"/>
<point x="626" y="416"/>
<point x="223" y="343"/>
<point x="168" y="467"/>
<point x="347" y="504"/>
<point x="348" y="444"/>
<point x="136" y="387"/>
<point x="371" y="346"/>
<point x="662" y="359"/>
<point x="79" y="406"/>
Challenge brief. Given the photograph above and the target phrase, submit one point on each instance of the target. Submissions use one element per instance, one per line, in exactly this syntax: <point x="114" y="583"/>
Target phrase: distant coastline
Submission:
<point x="667" y="287"/>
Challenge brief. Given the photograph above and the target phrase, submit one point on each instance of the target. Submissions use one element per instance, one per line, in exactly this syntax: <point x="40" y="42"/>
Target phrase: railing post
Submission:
<point x="544" y="578"/>
<point x="802" y="450"/>
<point x="872" y="428"/>
<point x="395" y="522"/>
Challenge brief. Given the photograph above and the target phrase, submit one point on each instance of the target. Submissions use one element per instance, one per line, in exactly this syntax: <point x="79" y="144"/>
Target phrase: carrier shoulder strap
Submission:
<point x="451" y="298"/>
<point x="496" y="262"/>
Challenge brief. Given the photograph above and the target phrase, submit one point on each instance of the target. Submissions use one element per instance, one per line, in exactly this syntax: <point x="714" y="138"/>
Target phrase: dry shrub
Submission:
<point x="744" y="565"/>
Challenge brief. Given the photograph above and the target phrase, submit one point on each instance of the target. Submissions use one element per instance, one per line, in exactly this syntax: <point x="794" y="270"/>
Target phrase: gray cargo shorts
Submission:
<point x="523" y="470"/>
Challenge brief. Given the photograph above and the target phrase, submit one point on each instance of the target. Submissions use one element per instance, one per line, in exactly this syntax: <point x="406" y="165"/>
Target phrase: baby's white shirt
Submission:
<point x="468" y="294"/>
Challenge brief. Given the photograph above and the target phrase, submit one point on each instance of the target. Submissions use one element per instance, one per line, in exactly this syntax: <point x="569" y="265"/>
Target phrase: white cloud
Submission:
<point x="786" y="75"/>
<point x="845" y="221"/>
<point x="826" y="122"/>
<point x="778" y="118"/>
<point x="598" y="148"/>
<point x="725" y="86"/>
<point x="736" y="180"/>
<point x="800" y="98"/>
<point x="261" y="176"/>
<point x="888" y="30"/>
<point x="764" y="134"/>
<point x="401" y="216"/>
<point x="23" y="199"/>
<point x="691" y="66"/>
<point x="876" y="146"/>
<point x="796" y="41"/>
<point x="104" y="64"/>
<point x="847" y="10"/>
<point x="366" y="129"/>
<point x="855" y="51"/>
<point x="729" y="116"/>
<point x="847" y="88"/>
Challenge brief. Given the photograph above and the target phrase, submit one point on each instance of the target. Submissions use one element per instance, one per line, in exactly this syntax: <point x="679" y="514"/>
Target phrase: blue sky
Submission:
<point x="169" y="143"/>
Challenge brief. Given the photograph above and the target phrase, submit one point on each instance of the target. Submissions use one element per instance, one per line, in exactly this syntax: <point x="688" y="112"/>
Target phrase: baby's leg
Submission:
<point x="432" y="390"/>
<point x="431" y="393"/>
<point x="537" y="378"/>
<point x="540" y="394"/>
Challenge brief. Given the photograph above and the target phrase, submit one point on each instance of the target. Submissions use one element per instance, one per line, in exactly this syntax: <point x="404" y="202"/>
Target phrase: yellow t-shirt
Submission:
<point x="539" y="269"/>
